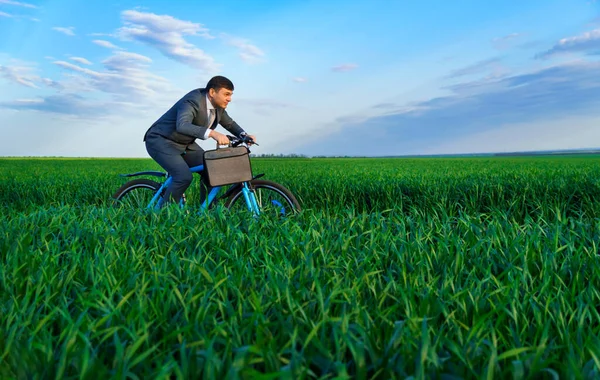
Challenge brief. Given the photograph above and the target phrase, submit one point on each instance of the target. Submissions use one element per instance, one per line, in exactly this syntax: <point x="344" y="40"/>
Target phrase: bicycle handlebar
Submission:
<point x="244" y="139"/>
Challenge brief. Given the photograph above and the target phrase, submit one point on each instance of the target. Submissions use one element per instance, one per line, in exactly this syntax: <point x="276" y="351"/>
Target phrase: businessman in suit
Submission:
<point x="171" y="140"/>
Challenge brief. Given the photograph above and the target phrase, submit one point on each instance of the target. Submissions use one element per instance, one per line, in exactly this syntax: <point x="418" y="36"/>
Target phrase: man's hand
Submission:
<point x="253" y="139"/>
<point x="220" y="138"/>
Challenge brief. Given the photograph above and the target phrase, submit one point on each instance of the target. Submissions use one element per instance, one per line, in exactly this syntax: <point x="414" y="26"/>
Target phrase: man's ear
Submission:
<point x="211" y="92"/>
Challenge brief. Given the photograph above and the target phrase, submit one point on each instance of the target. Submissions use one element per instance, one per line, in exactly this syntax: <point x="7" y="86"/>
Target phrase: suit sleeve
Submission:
<point x="186" y="112"/>
<point x="228" y="123"/>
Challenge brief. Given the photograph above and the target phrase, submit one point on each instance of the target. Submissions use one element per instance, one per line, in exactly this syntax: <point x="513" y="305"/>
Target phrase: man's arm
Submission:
<point x="186" y="112"/>
<point x="228" y="123"/>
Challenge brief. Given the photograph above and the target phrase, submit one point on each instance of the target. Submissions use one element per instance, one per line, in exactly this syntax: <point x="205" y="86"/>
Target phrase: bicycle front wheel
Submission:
<point x="272" y="198"/>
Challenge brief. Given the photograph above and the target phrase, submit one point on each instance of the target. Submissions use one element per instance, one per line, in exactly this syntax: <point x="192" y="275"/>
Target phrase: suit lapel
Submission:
<point x="202" y="102"/>
<point x="218" y="117"/>
<point x="201" y="117"/>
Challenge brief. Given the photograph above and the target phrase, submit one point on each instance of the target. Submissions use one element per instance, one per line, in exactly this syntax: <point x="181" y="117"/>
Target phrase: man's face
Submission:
<point x="220" y="98"/>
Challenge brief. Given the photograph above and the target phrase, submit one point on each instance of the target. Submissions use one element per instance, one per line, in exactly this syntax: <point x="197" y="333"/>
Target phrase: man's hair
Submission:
<point x="218" y="83"/>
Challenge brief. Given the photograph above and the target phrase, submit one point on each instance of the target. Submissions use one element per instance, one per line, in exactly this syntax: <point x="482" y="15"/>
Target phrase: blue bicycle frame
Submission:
<point x="249" y="196"/>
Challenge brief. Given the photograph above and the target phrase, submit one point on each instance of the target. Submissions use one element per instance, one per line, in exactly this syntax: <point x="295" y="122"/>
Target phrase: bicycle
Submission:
<point x="147" y="193"/>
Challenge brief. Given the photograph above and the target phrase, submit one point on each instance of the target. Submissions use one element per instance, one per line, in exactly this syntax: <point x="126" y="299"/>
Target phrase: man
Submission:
<point x="170" y="141"/>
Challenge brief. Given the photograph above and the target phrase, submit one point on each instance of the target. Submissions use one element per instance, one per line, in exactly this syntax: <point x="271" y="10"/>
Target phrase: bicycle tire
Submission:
<point x="270" y="186"/>
<point x="136" y="184"/>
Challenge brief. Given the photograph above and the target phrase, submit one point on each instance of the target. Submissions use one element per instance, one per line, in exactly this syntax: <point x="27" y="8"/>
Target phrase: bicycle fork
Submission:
<point x="250" y="198"/>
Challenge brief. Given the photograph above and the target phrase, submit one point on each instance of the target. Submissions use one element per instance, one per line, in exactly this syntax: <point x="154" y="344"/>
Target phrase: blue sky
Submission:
<point x="313" y="77"/>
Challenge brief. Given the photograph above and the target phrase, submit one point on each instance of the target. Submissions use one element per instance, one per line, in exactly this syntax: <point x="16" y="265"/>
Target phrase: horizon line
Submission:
<point x="300" y="155"/>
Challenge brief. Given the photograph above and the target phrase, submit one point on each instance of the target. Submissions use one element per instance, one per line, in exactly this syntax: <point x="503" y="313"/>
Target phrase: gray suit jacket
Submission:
<point x="187" y="120"/>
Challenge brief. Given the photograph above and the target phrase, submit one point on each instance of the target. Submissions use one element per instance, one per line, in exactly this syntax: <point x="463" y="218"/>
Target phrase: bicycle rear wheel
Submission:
<point x="272" y="198"/>
<point x="135" y="194"/>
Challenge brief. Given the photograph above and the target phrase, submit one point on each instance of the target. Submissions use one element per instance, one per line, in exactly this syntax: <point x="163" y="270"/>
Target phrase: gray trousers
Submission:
<point x="177" y="160"/>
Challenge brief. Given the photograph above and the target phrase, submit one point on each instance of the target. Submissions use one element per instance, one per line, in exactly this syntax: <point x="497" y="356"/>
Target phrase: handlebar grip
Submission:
<point x="238" y="140"/>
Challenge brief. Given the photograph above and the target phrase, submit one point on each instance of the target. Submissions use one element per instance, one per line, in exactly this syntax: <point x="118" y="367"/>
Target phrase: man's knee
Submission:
<point x="183" y="178"/>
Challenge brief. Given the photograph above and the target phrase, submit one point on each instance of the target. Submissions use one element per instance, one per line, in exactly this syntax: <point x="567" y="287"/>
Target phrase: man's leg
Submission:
<point x="177" y="167"/>
<point x="195" y="158"/>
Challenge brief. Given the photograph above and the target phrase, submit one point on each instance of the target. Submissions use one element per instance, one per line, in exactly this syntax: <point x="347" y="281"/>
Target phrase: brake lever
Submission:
<point x="247" y="140"/>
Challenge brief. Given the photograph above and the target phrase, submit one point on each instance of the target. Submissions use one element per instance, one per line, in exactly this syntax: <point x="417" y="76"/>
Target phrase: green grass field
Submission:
<point x="430" y="268"/>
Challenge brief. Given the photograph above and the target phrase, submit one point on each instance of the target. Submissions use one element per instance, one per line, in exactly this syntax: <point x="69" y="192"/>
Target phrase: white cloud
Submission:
<point x="67" y="104"/>
<point x="122" y="61"/>
<point x="248" y="52"/>
<point x="164" y="23"/>
<point x="81" y="60"/>
<point x="588" y="42"/>
<point x="125" y="75"/>
<point x="73" y="67"/>
<point x="28" y="101"/>
<point x="68" y="30"/>
<point x="344" y="67"/>
<point x="106" y="44"/>
<point x="24" y="75"/>
<point x="102" y="34"/>
<point x="51" y="83"/>
<point x="300" y="80"/>
<point x="166" y="34"/>
<point x="10" y="15"/>
<point x="19" y="74"/>
<point x="17" y="3"/>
